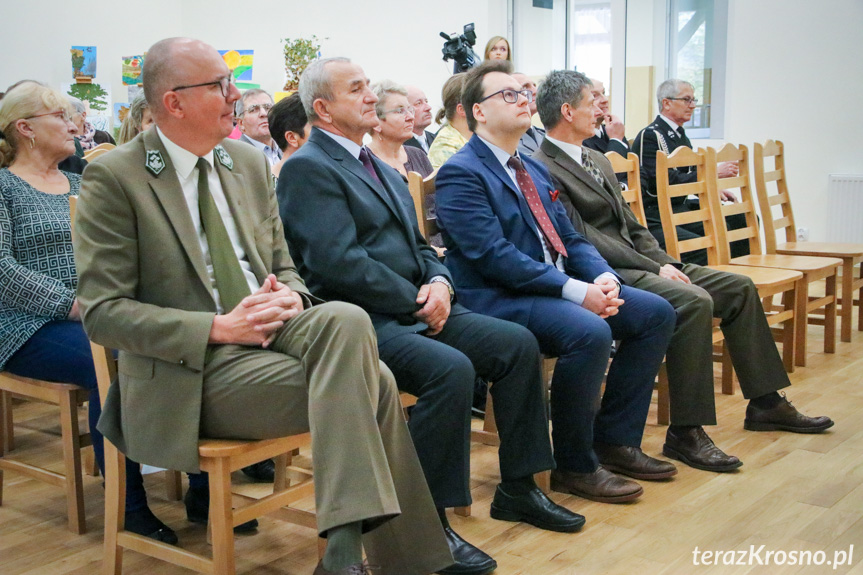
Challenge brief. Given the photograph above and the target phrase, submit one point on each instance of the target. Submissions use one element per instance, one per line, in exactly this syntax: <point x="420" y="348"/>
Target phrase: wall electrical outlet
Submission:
<point x="802" y="234"/>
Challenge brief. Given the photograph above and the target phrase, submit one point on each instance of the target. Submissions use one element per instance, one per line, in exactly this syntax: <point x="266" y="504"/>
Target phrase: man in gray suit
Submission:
<point x="591" y="195"/>
<point x="184" y="268"/>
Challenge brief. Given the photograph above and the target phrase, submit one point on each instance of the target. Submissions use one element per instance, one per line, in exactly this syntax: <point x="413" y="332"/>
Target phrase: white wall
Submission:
<point x="794" y="75"/>
<point x="396" y="40"/>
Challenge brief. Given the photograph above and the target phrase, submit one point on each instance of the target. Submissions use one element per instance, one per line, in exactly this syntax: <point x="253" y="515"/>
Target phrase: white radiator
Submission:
<point x="845" y="215"/>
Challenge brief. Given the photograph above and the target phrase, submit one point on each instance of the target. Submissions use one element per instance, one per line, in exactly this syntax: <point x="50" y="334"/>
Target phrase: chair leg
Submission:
<point x="462" y="511"/>
<point x="115" y="509"/>
<point x="173" y="485"/>
<point x="282" y="481"/>
<point x="801" y="317"/>
<point x="830" y="316"/>
<point x="663" y="405"/>
<point x="727" y="371"/>
<point x="859" y="302"/>
<point x="88" y="461"/>
<point x="72" y="462"/>
<point x="789" y="327"/>
<point x="221" y="519"/>
<point x="846" y="298"/>
<point x="7" y="421"/>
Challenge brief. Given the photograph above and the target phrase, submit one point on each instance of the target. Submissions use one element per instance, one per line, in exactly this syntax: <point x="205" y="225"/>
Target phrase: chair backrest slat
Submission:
<point x="740" y="185"/>
<point x="770" y="196"/>
<point x="631" y="195"/>
<point x="421" y="190"/>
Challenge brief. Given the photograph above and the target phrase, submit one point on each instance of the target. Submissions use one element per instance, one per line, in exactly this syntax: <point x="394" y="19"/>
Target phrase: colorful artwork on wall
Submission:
<point x="97" y="97"/>
<point x="132" y="67"/>
<point x="240" y="63"/>
<point x="83" y="62"/>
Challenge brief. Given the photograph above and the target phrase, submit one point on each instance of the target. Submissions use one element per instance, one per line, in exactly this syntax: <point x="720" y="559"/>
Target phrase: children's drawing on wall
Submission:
<point x="132" y="67"/>
<point x="97" y="97"/>
<point x="83" y="62"/>
<point x="240" y="63"/>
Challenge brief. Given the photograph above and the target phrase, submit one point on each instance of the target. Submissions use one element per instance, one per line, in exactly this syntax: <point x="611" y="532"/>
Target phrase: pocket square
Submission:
<point x="553" y="194"/>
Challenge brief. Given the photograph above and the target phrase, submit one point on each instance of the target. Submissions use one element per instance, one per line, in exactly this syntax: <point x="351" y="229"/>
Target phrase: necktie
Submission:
<point x="683" y="137"/>
<point x="528" y="190"/>
<point x="366" y="159"/>
<point x="590" y="167"/>
<point x="230" y="280"/>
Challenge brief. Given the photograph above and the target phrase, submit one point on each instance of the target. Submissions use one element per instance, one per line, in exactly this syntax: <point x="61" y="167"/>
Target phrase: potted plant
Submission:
<point x="298" y="54"/>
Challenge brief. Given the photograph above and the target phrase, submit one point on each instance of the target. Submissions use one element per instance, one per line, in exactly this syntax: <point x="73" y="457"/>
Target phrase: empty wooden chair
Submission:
<point x="812" y="268"/>
<point x="99" y="150"/>
<point x="68" y="397"/>
<point x="769" y="282"/>
<point x="772" y="188"/>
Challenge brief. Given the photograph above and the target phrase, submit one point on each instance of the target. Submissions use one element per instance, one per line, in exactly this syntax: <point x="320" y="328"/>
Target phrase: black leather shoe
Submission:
<point x="694" y="447"/>
<point x="632" y="461"/>
<point x="262" y="471"/>
<point x="198" y="510"/>
<point x="536" y="508"/>
<point x="143" y="522"/>
<point x="469" y="560"/>
<point x="783" y="417"/>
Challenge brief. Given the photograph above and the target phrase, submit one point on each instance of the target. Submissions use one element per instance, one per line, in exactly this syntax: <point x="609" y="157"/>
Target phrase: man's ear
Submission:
<point x="321" y="108"/>
<point x="173" y="104"/>
<point x="291" y="139"/>
<point x="477" y="113"/>
<point x="566" y="111"/>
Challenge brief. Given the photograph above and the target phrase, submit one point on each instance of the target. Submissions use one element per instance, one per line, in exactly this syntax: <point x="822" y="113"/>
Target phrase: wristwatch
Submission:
<point x="444" y="281"/>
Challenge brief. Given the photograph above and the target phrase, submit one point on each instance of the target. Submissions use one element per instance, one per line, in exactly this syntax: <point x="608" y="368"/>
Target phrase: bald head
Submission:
<point x="169" y="63"/>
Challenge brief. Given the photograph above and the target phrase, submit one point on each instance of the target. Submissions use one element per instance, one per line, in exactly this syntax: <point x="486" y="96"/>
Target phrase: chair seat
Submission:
<point x="762" y="277"/>
<point x="830" y="249"/>
<point x="805" y="264"/>
<point x="234" y="447"/>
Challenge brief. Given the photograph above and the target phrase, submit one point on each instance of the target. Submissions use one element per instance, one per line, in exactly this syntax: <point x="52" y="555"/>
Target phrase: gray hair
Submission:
<point x="131" y="125"/>
<point x="670" y="89"/>
<point x="560" y="87"/>
<point x="315" y="83"/>
<point x="383" y="89"/>
<point x="79" y="106"/>
<point x="240" y="106"/>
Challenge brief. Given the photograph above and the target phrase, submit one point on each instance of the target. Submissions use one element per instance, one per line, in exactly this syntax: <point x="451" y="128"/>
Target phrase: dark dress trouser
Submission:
<point x="581" y="341"/>
<point x="440" y="371"/>
<point x="732" y="298"/>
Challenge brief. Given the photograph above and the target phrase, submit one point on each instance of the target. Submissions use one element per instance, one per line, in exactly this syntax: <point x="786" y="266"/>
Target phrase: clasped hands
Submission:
<point x="256" y="320"/>
<point x="435" y="300"/>
<point x="602" y="297"/>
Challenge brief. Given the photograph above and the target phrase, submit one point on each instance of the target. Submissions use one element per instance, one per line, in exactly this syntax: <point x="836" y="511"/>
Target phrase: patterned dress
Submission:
<point x="37" y="266"/>
<point x="447" y="142"/>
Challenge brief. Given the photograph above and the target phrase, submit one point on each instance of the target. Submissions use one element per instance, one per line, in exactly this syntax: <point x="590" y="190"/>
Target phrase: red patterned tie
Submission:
<point x="528" y="189"/>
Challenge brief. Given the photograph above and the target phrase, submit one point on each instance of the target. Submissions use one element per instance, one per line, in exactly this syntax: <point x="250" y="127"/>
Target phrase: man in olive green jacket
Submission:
<point x="194" y="363"/>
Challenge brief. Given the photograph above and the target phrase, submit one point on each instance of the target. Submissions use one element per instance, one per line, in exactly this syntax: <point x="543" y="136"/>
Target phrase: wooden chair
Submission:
<point x="422" y="192"/>
<point x="68" y="397"/>
<point x="777" y="196"/>
<point x="632" y="195"/>
<point x="99" y="150"/>
<point x="812" y="268"/>
<point x="769" y="282"/>
<point x="219" y="458"/>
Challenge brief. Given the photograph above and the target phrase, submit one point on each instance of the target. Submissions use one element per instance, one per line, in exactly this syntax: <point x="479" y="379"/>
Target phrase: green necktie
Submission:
<point x="230" y="280"/>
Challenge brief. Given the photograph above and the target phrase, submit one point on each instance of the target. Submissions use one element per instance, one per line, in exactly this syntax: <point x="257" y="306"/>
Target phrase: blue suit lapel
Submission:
<point x="486" y="155"/>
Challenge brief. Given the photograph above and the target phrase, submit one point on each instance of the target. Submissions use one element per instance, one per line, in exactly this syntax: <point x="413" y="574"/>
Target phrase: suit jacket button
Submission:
<point x="182" y="362"/>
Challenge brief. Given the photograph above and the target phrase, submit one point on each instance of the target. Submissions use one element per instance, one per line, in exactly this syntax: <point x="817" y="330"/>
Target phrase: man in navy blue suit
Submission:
<point x="514" y="255"/>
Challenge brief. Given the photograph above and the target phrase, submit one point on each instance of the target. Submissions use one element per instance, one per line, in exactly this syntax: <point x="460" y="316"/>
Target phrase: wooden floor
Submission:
<point x="794" y="493"/>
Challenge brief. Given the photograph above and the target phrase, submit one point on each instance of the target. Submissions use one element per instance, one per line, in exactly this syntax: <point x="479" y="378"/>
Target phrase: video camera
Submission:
<point x="460" y="49"/>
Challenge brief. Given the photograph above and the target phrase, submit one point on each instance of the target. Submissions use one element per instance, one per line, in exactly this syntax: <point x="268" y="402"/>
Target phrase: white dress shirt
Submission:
<point x="272" y="153"/>
<point x="185" y="163"/>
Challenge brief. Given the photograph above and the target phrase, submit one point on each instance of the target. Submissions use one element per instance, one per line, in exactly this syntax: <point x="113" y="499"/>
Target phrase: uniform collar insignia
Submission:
<point x="224" y="158"/>
<point x="155" y="164"/>
<point x="672" y="134"/>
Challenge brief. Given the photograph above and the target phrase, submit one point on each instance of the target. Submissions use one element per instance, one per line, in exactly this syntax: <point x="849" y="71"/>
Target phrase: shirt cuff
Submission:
<point x="610" y="276"/>
<point x="574" y="291"/>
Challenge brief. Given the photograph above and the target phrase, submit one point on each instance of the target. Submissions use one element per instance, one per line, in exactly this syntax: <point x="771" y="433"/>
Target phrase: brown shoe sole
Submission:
<point x="561" y="488"/>
<point x="637" y="475"/>
<point x="766" y="426"/>
<point x="674" y="454"/>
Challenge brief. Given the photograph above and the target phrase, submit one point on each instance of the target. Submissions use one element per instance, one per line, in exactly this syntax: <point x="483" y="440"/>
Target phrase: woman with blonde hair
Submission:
<point x="136" y="121"/>
<point x="454" y="134"/>
<point x="498" y="49"/>
<point x="41" y="336"/>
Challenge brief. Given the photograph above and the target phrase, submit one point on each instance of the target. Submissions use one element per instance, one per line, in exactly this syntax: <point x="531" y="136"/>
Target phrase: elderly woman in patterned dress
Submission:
<point x="40" y="331"/>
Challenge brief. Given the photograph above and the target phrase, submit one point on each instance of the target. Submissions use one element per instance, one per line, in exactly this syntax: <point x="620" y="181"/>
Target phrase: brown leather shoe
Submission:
<point x="694" y="447"/>
<point x="632" y="461"/>
<point x="783" y="417"/>
<point x="355" y="569"/>
<point x="601" y="485"/>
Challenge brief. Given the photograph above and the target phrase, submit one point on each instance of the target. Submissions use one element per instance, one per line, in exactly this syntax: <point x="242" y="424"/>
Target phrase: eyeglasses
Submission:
<point x="223" y="83"/>
<point x="510" y="96"/>
<point x="401" y="110"/>
<point x="689" y="101"/>
<point x="62" y="115"/>
<point x="257" y="108"/>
